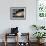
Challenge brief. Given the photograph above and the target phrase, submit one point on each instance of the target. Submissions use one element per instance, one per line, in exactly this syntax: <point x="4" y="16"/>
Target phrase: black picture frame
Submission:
<point x="18" y="13"/>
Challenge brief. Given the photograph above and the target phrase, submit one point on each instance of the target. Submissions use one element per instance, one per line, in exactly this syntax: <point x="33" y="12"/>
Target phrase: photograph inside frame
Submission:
<point x="17" y="13"/>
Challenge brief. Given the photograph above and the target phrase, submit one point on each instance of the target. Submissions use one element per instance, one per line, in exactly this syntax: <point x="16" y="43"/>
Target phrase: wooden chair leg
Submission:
<point x="17" y="39"/>
<point x="5" y="39"/>
<point x="5" y="43"/>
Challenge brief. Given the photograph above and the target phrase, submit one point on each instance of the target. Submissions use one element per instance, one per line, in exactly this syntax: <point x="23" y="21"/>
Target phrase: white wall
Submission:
<point x="24" y="25"/>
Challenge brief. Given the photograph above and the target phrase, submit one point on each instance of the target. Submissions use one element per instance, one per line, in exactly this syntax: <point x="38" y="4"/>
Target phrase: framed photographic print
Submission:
<point x="17" y="13"/>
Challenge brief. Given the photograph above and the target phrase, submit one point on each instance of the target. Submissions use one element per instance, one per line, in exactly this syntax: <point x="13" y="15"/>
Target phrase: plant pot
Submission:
<point x="40" y="41"/>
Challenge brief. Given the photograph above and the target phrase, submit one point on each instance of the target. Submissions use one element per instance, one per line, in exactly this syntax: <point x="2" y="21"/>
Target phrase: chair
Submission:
<point x="26" y="41"/>
<point x="14" y="32"/>
<point x="7" y="35"/>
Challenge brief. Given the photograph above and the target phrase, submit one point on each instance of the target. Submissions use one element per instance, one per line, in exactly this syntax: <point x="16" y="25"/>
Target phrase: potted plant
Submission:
<point x="39" y="35"/>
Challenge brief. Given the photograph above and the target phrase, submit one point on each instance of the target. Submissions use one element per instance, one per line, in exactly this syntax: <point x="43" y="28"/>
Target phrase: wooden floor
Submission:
<point x="13" y="44"/>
